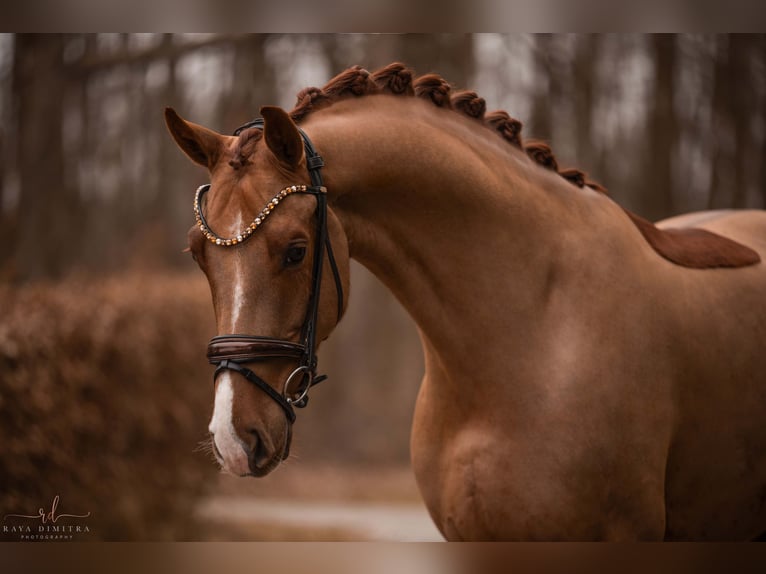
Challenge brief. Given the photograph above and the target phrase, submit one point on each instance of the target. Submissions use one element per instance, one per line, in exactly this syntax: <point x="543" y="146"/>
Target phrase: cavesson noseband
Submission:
<point x="231" y="352"/>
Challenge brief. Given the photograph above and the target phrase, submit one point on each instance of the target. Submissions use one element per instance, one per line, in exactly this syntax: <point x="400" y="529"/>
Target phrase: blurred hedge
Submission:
<point x="104" y="397"/>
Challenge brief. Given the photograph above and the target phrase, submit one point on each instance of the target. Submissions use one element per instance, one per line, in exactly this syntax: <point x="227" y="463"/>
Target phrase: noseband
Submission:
<point x="231" y="352"/>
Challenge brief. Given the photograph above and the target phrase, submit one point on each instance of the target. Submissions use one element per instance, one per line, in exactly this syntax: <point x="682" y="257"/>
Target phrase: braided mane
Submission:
<point x="399" y="80"/>
<point x="688" y="247"/>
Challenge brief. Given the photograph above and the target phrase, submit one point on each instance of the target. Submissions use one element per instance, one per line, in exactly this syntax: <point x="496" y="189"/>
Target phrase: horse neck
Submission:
<point x="465" y="231"/>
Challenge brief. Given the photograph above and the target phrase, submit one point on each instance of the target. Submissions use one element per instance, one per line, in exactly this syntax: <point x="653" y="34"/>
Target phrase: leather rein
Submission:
<point x="231" y="352"/>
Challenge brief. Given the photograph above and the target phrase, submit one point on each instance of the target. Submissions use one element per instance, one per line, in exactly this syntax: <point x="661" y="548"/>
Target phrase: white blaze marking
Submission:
<point x="238" y="298"/>
<point x="222" y="427"/>
<point x="230" y="446"/>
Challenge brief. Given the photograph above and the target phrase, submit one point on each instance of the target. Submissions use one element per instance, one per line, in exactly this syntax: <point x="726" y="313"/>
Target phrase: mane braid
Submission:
<point x="434" y="88"/>
<point x="309" y="100"/>
<point x="395" y="78"/>
<point x="541" y="153"/>
<point x="470" y="104"/>
<point x="398" y="79"/>
<point x="508" y="127"/>
<point x="576" y="176"/>
<point x="597" y="186"/>
<point x="355" y="82"/>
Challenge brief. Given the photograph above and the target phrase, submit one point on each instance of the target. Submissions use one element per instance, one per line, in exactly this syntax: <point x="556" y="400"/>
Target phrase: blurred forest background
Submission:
<point x="104" y="390"/>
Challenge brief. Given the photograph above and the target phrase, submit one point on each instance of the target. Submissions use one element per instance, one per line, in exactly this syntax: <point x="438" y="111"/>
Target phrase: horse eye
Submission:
<point x="295" y="254"/>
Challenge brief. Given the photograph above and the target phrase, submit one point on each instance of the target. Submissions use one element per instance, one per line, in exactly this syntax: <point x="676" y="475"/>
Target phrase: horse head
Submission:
<point x="276" y="258"/>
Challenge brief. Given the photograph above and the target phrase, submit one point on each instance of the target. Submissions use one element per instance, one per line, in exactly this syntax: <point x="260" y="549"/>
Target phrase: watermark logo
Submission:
<point x="45" y="524"/>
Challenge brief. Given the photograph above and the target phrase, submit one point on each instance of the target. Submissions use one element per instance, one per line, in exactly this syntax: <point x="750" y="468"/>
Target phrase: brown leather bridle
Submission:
<point x="231" y="352"/>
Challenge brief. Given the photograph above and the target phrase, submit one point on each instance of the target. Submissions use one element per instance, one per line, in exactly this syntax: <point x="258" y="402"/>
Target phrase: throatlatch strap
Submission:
<point x="336" y="275"/>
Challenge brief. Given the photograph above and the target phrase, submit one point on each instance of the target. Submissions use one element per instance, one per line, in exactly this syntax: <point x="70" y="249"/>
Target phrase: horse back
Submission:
<point x="716" y="471"/>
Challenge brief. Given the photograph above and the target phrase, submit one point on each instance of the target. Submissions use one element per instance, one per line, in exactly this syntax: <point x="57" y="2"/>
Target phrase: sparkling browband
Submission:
<point x="259" y="219"/>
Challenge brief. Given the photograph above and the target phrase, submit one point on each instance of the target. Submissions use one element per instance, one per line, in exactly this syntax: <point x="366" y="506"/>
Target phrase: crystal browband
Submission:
<point x="257" y="222"/>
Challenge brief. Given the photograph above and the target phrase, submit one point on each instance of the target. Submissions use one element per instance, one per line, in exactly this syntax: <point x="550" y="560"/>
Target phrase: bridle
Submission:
<point x="231" y="352"/>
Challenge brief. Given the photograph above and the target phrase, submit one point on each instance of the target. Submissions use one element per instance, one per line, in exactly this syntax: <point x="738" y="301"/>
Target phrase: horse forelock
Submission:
<point x="244" y="147"/>
<point x="398" y="79"/>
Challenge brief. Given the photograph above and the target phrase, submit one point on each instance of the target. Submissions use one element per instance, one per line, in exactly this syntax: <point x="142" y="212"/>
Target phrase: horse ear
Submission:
<point x="202" y="145"/>
<point x="282" y="135"/>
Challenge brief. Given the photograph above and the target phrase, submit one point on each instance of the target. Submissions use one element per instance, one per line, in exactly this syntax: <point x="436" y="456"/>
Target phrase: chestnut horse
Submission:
<point x="589" y="375"/>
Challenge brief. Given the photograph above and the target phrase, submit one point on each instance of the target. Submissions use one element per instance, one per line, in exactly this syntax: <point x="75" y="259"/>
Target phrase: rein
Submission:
<point x="231" y="352"/>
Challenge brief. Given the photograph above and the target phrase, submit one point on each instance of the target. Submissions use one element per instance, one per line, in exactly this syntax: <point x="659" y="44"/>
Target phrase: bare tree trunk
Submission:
<point x="663" y="130"/>
<point x="449" y="55"/>
<point x="254" y="82"/>
<point x="586" y="56"/>
<point x="124" y="210"/>
<point x="46" y="209"/>
<point x="541" y="119"/>
<point x="168" y="199"/>
<point x="741" y="103"/>
<point x="330" y="48"/>
<point x="379" y="50"/>
<point x="732" y="109"/>
<point x="762" y="155"/>
<point x="720" y="127"/>
<point x="4" y="219"/>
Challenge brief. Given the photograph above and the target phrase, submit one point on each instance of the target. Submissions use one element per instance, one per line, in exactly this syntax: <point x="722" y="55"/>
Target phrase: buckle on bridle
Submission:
<point x="303" y="398"/>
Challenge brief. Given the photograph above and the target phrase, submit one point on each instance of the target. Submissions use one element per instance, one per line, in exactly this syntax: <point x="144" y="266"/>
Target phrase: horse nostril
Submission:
<point x="259" y="452"/>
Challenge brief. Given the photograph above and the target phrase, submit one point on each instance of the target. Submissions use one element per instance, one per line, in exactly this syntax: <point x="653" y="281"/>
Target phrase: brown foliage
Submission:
<point x="104" y="397"/>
